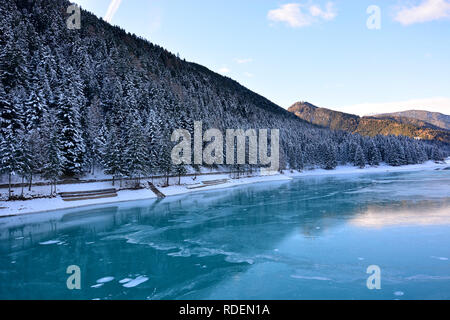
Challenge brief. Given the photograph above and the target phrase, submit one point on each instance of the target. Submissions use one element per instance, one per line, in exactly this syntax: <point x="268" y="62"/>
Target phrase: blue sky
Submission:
<point x="316" y="51"/>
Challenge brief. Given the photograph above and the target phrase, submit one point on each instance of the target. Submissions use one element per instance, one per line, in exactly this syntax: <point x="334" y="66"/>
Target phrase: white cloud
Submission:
<point x="436" y="104"/>
<point x="112" y="9"/>
<point x="427" y="10"/>
<point x="248" y="74"/>
<point x="291" y="14"/>
<point x="242" y="61"/>
<point x="329" y="14"/>
<point x="224" y="70"/>
<point x="297" y="15"/>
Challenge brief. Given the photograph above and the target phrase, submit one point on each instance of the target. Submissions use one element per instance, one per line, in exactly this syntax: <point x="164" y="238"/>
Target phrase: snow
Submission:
<point x="12" y="208"/>
<point x="310" y="278"/>
<point x="440" y="258"/>
<point x="46" y="243"/>
<point x="135" y="282"/>
<point x="105" y="280"/>
<point x="125" y="280"/>
<point x="378" y="169"/>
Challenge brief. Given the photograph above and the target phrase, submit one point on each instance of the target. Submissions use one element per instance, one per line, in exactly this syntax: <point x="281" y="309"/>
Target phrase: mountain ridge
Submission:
<point x="369" y="125"/>
<point x="437" y="119"/>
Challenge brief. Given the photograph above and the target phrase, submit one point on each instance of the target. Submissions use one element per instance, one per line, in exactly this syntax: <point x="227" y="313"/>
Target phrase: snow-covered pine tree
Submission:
<point x="94" y="136"/>
<point x="153" y="129"/>
<point x="436" y="155"/>
<point x="180" y="170"/>
<point x="330" y="157"/>
<point x="24" y="157"/>
<point x="113" y="157"/>
<point x="165" y="161"/>
<point x="11" y="130"/>
<point x="34" y="146"/>
<point x="71" y="139"/>
<point x="136" y="157"/>
<point x="373" y="154"/>
<point x="34" y="105"/>
<point x="53" y="166"/>
<point x="11" y="120"/>
<point x="396" y="155"/>
<point x="360" y="160"/>
<point x="9" y="159"/>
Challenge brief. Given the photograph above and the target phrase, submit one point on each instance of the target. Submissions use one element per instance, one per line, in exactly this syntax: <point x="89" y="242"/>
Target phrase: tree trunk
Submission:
<point x="31" y="182"/>
<point x="23" y="182"/>
<point x="9" y="190"/>
<point x="114" y="179"/>
<point x="179" y="179"/>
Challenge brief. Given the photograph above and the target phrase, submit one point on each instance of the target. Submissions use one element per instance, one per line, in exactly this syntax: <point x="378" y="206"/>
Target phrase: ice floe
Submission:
<point x="135" y="282"/>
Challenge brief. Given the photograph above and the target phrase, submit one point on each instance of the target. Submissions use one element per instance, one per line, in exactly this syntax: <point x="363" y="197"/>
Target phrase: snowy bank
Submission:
<point x="382" y="168"/>
<point x="12" y="208"/>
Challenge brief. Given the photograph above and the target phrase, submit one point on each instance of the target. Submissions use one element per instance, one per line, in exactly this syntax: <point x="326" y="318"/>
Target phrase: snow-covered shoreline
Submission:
<point x="16" y="208"/>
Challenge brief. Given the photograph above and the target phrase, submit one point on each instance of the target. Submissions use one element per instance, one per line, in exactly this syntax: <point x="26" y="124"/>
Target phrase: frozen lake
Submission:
<point x="310" y="238"/>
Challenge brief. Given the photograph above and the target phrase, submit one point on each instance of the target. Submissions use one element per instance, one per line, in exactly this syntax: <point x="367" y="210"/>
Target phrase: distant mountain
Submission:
<point x="435" y="118"/>
<point x="325" y="117"/>
<point x="372" y="126"/>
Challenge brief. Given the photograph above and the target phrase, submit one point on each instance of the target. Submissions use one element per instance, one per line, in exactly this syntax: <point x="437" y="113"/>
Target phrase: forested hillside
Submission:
<point x="370" y="126"/>
<point x="436" y="119"/>
<point x="99" y="97"/>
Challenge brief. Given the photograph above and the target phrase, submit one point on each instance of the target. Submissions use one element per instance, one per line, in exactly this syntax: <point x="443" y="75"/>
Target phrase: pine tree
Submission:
<point x="373" y="154"/>
<point x="396" y="155"/>
<point x="53" y="168"/>
<point x="34" y="146"/>
<point x="11" y="121"/>
<point x="53" y="159"/>
<point x="24" y="158"/>
<point x="34" y="106"/>
<point x="113" y="157"/>
<point x="10" y="144"/>
<point x="10" y="156"/>
<point x="360" y="160"/>
<point x="165" y="162"/>
<point x="136" y="158"/>
<point x="72" y="142"/>
<point x="330" y="157"/>
<point x="95" y="139"/>
<point x="437" y="155"/>
<point x="180" y="170"/>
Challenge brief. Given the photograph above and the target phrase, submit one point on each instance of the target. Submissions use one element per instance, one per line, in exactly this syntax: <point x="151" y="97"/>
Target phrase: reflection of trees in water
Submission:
<point x="422" y="212"/>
